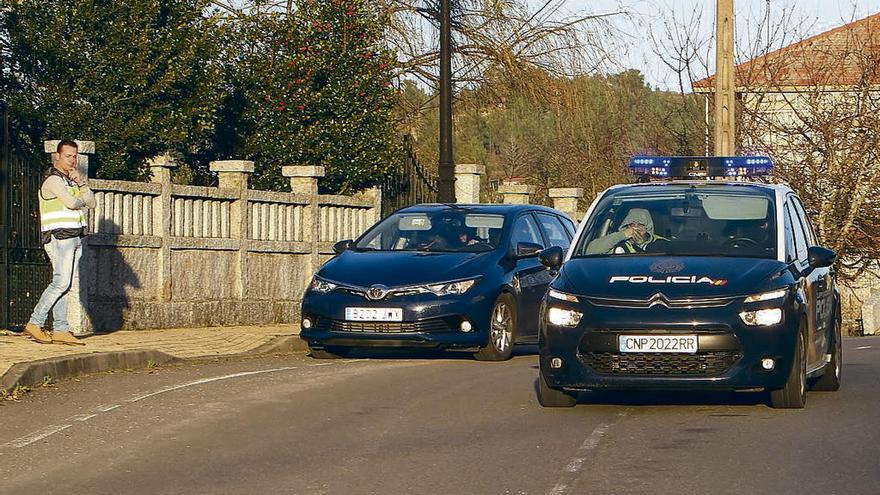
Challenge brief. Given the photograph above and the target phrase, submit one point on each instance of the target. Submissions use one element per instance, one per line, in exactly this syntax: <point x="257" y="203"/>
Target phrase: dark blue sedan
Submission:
<point x="462" y="277"/>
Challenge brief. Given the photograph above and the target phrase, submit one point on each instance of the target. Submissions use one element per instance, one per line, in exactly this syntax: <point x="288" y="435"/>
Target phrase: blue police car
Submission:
<point x="463" y="277"/>
<point x="699" y="281"/>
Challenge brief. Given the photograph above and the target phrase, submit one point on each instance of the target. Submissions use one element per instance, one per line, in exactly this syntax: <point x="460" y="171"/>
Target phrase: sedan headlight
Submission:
<point x="451" y="288"/>
<point x="322" y="286"/>
<point x="767" y="296"/>
<point x="564" y="317"/>
<point x="562" y="296"/>
<point x="762" y="317"/>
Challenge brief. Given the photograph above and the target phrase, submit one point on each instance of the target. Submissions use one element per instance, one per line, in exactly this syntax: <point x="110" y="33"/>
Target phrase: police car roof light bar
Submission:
<point x="697" y="167"/>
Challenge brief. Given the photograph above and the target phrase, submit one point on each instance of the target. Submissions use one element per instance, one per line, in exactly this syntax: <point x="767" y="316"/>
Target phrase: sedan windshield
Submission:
<point x="455" y="229"/>
<point x="696" y="221"/>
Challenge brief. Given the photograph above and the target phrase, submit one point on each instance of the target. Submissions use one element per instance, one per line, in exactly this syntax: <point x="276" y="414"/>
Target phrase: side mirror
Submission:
<point x="819" y="256"/>
<point x="341" y="246"/>
<point x="527" y="249"/>
<point x="552" y="257"/>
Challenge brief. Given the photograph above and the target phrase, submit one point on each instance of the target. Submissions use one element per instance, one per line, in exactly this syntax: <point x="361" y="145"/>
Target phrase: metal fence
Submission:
<point x="408" y="183"/>
<point x="24" y="265"/>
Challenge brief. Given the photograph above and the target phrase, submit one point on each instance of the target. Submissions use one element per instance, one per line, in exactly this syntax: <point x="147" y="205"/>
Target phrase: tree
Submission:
<point x="136" y="77"/>
<point x="320" y="94"/>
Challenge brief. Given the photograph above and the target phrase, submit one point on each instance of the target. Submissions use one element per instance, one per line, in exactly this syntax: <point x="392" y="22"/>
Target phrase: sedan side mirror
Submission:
<point x="341" y="246"/>
<point x="552" y="257"/>
<point x="527" y="249"/>
<point x="819" y="256"/>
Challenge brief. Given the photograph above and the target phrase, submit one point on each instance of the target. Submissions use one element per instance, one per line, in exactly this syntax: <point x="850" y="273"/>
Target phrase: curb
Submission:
<point x="31" y="374"/>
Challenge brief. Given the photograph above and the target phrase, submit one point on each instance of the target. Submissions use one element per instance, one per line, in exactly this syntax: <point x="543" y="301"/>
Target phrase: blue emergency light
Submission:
<point x="699" y="167"/>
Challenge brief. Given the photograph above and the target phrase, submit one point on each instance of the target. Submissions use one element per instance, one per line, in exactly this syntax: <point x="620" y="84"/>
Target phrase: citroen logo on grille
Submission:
<point x="658" y="299"/>
<point x="377" y="292"/>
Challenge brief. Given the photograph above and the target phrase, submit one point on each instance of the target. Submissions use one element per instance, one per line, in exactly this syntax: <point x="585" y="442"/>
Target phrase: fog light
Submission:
<point x="768" y="363"/>
<point x="466" y="326"/>
<point x="307" y="323"/>
<point x="556" y="363"/>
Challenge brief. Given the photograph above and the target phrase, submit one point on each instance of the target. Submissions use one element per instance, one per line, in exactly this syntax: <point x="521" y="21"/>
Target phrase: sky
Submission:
<point x="646" y="22"/>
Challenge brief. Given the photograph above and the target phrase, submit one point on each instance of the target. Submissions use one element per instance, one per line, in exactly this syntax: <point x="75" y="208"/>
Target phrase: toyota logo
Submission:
<point x="377" y="292"/>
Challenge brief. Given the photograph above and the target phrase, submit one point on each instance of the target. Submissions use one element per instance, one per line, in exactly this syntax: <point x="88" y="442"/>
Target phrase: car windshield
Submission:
<point x="446" y="230"/>
<point x="694" y="221"/>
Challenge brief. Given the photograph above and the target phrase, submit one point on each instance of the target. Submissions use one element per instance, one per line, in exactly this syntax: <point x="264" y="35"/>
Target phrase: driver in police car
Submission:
<point x="635" y="234"/>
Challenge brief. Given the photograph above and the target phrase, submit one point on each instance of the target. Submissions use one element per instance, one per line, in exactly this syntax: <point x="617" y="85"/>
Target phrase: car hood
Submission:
<point x="399" y="268"/>
<point x="640" y="277"/>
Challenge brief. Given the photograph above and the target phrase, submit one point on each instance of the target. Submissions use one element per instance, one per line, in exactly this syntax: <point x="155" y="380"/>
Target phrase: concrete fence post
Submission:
<point x="233" y="174"/>
<point x="304" y="180"/>
<point x="160" y="173"/>
<point x="78" y="300"/>
<point x="516" y="194"/>
<point x="565" y="199"/>
<point x="467" y="182"/>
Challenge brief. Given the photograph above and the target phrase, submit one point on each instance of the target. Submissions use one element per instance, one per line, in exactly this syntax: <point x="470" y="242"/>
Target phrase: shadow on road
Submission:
<point x="668" y="398"/>
<point x="390" y="353"/>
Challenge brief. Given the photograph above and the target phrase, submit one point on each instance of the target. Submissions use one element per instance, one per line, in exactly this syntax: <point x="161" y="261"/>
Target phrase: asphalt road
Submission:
<point x="425" y="425"/>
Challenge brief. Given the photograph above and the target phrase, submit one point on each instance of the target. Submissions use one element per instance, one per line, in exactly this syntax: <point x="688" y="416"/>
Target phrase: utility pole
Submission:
<point x="725" y="81"/>
<point x="446" y="168"/>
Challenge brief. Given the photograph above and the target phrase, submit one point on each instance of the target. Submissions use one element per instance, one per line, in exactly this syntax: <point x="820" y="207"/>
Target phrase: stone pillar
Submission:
<point x="467" y="182"/>
<point x="565" y="199"/>
<point x="304" y="180"/>
<point x="78" y="298"/>
<point x="516" y="194"/>
<point x="160" y="173"/>
<point x="871" y="315"/>
<point x="234" y="175"/>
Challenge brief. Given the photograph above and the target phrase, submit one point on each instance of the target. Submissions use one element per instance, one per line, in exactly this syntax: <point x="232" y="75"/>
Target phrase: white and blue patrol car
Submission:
<point x="700" y="280"/>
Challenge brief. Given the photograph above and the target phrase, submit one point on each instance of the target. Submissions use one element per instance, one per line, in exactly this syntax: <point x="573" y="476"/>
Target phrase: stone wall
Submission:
<point x="161" y="255"/>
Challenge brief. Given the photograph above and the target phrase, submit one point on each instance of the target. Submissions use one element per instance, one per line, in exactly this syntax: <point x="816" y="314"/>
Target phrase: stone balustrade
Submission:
<point x="162" y="255"/>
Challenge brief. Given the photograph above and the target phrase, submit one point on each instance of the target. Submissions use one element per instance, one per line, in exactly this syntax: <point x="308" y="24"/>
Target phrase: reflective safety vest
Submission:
<point x="55" y="216"/>
<point x="632" y="248"/>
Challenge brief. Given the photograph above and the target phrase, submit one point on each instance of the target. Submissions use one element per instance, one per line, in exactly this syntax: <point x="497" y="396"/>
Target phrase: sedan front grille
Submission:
<point x="422" y="326"/>
<point x="703" y="363"/>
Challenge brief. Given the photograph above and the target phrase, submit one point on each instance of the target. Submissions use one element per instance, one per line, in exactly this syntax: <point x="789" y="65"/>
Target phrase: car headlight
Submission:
<point x="322" y="286"/>
<point x="762" y="317"/>
<point x="767" y="296"/>
<point x="555" y="294"/>
<point x="564" y="317"/>
<point x="451" y="288"/>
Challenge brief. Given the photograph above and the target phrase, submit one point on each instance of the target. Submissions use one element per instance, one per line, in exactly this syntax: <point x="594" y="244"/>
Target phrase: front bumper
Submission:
<point x="728" y="356"/>
<point x="429" y="321"/>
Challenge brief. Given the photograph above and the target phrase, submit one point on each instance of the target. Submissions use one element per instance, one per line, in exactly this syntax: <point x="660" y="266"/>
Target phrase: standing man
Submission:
<point x="63" y="197"/>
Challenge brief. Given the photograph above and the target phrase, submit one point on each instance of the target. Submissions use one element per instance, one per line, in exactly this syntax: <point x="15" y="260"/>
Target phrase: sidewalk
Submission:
<point x="25" y="362"/>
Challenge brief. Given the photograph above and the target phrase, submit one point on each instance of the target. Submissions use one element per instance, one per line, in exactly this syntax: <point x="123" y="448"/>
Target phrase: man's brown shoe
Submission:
<point x="65" y="338"/>
<point x="37" y="334"/>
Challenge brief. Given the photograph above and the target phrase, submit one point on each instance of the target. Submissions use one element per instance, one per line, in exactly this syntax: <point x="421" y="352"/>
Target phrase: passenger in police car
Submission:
<point x="636" y="234"/>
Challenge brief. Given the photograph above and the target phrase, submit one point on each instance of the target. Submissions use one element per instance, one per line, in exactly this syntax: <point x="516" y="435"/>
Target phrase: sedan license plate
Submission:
<point x="374" y="314"/>
<point x="685" y="344"/>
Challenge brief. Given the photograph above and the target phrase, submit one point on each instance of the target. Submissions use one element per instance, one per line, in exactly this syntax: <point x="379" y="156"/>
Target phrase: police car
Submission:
<point x="700" y="280"/>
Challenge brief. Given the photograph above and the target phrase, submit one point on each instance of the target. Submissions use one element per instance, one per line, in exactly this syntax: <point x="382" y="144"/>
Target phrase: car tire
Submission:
<point x="327" y="353"/>
<point x="794" y="394"/>
<point x="830" y="381"/>
<point x="502" y="331"/>
<point x="550" y="397"/>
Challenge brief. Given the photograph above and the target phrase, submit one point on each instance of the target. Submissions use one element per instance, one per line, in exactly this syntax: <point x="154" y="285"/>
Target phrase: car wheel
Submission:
<point x="550" y="397"/>
<point x="502" y="327"/>
<point x="830" y="381"/>
<point x="327" y="353"/>
<point x="794" y="394"/>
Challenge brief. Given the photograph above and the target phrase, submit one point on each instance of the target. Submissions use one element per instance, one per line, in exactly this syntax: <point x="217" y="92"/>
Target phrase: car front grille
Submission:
<point x="422" y="326"/>
<point x="703" y="363"/>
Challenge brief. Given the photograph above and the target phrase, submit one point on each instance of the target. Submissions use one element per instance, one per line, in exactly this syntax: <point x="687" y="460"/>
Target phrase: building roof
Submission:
<point x="846" y="56"/>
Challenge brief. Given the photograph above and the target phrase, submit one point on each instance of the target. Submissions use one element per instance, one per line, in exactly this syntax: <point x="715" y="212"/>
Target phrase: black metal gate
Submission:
<point x="408" y="183"/>
<point x="23" y="263"/>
